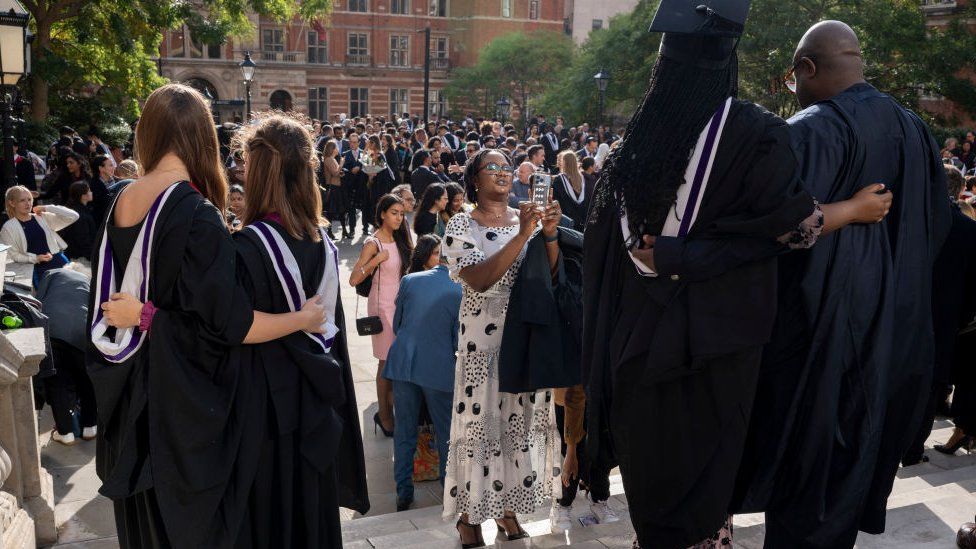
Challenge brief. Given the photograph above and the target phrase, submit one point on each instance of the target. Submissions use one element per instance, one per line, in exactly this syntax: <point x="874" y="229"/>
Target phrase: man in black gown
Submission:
<point x="674" y="336"/>
<point x="847" y="374"/>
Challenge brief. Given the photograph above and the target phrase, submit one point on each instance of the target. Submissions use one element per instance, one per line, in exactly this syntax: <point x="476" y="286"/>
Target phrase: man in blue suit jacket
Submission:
<point x="354" y="185"/>
<point x="421" y="366"/>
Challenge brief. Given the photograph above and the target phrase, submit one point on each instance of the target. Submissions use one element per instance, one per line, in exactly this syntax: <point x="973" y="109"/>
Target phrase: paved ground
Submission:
<point x="928" y="503"/>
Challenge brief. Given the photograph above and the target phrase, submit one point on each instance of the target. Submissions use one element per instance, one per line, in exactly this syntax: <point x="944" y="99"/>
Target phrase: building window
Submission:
<point x="399" y="101"/>
<point x="273" y="40"/>
<point x="183" y="44"/>
<point x="400" y="7"/>
<point x="533" y="9"/>
<point x="358" y="102"/>
<point x="357" y="52"/>
<point x="177" y="42"/>
<point x="438" y="8"/>
<point x="318" y="103"/>
<point x="358" y="5"/>
<point x="597" y="24"/>
<point x="506" y="8"/>
<point x="439" y="54"/>
<point x="318" y="52"/>
<point x="438" y="103"/>
<point x="438" y="47"/>
<point x="399" y="56"/>
<point x="280" y="100"/>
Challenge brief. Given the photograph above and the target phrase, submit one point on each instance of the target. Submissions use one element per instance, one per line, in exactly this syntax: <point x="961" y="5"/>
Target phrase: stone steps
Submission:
<point x="927" y="504"/>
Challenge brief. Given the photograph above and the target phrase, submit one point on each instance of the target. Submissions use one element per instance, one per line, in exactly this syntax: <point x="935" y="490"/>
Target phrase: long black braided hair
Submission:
<point x="649" y="165"/>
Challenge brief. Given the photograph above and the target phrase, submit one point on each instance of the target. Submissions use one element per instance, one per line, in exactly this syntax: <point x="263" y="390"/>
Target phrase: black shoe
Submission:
<point x="480" y="542"/>
<point x="403" y="504"/>
<point x="966" y="441"/>
<point x="378" y="423"/>
<point x="330" y="233"/>
<point x="909" y="461"/>
<point x="521" y="534"/>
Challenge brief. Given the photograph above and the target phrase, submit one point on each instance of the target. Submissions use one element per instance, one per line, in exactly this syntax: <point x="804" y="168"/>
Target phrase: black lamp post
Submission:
<point x="602" y="79"/>
<point x="502" y="107"/>
<point x="14" y="63"/>
<point x="247" y="70"/>
<point x="210" y="102"/>
<point x="426" y="32"/>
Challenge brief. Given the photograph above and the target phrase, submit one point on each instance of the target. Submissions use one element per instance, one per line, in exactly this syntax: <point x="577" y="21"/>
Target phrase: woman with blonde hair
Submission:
<point x="31" y="231"/>
<point x="569" y="190"/>
<point x="165" y="313"/>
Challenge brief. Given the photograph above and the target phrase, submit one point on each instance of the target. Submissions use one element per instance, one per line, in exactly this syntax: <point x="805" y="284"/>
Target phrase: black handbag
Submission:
<point x="367" y="325"/>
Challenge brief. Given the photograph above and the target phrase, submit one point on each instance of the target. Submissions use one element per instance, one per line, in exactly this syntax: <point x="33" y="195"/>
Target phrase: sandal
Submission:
<point x="521" y="534"/>
<point x="480" y="542"/>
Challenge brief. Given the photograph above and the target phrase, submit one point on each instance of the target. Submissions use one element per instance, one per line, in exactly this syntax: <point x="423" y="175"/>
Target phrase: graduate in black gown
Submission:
<point x="304" y="454"/>
<point x="845" y="379"/>
<point x="165" y="312"/>
<point x="677" y="315"/>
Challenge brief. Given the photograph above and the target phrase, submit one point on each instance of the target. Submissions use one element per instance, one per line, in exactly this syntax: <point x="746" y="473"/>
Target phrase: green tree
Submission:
<point x="519" y="65"/>
<point x="902" y="57"/>
<point x="84" y="46"/>
<point x="625" y="50"/>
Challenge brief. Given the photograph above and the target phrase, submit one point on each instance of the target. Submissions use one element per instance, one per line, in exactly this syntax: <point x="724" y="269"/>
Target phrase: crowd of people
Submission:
<point x="719" y="325"/>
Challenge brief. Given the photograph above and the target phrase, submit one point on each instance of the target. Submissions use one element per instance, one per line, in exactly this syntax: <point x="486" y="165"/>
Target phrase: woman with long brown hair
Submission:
<point x="385" y="256"/>
<point x="165" y="313"/>
<point x="305" y="379"/>
<point x="336" y="201"/>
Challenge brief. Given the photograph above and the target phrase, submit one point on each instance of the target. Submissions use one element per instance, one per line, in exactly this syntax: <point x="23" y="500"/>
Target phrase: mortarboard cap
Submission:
<point x="718" y="18"/>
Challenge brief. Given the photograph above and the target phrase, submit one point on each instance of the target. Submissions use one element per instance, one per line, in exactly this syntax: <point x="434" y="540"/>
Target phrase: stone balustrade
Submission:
<point x="26" y="488"/>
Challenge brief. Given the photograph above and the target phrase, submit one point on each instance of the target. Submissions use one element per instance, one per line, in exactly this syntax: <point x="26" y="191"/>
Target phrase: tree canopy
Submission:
<point x="105" y="48"/>
<point x="902" y="57"/>
<point x="519" y="65"/>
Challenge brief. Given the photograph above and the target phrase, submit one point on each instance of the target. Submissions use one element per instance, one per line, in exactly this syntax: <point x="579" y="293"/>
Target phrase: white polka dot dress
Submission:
<point x="504" y="447"/>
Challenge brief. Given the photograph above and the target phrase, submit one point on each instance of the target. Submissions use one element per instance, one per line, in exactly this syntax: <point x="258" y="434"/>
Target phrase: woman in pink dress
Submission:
<point x="385" y="257"/>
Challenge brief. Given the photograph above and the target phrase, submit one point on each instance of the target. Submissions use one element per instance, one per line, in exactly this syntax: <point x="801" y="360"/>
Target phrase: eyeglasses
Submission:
<point x="498" y="169"/>
<point x="790" y="78"/>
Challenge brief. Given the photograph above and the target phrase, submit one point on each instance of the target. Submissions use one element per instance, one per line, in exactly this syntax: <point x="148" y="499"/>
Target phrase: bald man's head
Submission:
<point x="525" y="171"/>
<point x="827" y="61"/>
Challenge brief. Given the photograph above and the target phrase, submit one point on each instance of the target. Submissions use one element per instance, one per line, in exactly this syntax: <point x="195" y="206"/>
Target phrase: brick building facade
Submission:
<point x="939" y="13"/>
<point x="369" y="58"/>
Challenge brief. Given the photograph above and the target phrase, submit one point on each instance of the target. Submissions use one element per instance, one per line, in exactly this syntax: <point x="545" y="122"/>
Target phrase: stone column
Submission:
<point x="28" y="489"/>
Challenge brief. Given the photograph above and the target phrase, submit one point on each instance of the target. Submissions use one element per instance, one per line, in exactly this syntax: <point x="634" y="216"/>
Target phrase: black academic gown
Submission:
<point x="167" y="424"/>
<point x="672" y="360"/>
<point x="952" y="310"/>
<point x="571" y="208"/>
<point x="303" y="457"/>
<point x="847" y="373"/>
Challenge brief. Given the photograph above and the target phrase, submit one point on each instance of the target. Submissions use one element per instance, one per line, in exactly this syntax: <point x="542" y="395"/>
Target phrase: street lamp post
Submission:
<point x="502" y="107"/>
<point x="602" y="79"/>
<point x="247" y="70"/>
<point x="14" y="63"/>
<point x="426" y="32"/>
<point x="210" y="102"/>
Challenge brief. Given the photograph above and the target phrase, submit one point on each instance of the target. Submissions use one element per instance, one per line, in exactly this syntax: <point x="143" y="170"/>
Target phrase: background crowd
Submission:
<point x="406" y="192"/>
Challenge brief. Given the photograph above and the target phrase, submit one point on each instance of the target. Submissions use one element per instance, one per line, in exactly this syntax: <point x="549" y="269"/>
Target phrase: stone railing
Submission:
<point x="26" y="488"/>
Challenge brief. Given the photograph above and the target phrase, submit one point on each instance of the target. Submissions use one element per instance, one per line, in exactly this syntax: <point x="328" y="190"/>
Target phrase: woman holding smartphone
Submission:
<point x="503" y="445"/>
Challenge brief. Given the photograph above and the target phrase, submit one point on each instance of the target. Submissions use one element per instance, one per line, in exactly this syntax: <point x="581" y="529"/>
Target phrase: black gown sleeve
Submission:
<point x="213" y="309"/>
<point x="694" y="260"/>
<point x="772" y="190"/>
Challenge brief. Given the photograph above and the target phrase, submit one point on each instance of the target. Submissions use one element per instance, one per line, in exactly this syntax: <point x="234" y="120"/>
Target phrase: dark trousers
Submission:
<point x="69" y="386"/>
<point x="595" y="478"/>
<point x="408" y="398"/>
